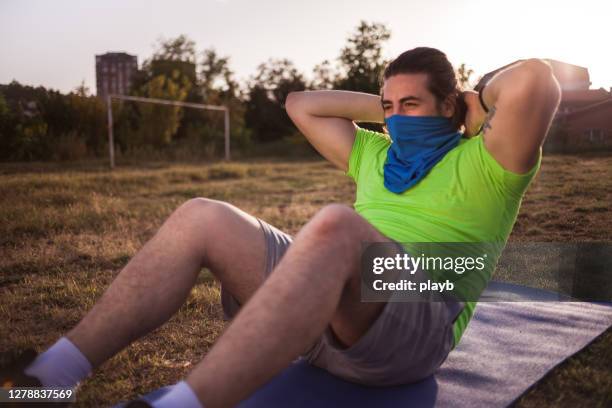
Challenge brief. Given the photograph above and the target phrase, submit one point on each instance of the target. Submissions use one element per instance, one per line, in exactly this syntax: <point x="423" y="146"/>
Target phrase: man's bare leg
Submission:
<point x="158" y="279"/>
<point x="315" y="283"/>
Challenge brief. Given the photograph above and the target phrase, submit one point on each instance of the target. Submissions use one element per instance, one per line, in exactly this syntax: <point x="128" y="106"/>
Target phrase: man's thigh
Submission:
<point x="382" y="343"/>
<point x="235" y="249"/>
<point x="275" y="244"/>
<point x="353" y="317"/>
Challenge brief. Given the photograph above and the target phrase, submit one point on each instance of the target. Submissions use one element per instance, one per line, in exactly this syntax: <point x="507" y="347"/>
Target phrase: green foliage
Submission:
<point x="463" y="76"/>
<point x="174" y="58"/>
<point x="265" y="113"/>
<point x="359" y="66"/>
<point x="89" y="124"/>
<point x="4" y="110"/>
<point x="181" y="48"/>
<point x="361" y="61"/>
<point x="40" y="124"/>
<point x="216" y="78"/>
<point x="324" y="76"/>
<point x="159" y="123"/>
<point x="180" y="71"/>
<point x="217" y="86"/>
<point x="169" y="74"/>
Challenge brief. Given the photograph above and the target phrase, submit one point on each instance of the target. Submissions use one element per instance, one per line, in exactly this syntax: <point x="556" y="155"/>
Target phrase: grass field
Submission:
<point x="66" y="231"/>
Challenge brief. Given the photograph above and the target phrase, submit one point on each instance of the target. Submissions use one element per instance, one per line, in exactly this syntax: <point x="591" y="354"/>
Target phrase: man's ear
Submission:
<point x="448" y="106"/>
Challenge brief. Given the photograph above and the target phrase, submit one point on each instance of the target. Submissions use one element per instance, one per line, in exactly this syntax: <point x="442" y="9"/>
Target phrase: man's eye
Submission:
<point x="386" y="107"/>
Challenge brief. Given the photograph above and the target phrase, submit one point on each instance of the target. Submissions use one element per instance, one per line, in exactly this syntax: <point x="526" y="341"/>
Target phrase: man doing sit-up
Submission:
<point x="424" y="181"/>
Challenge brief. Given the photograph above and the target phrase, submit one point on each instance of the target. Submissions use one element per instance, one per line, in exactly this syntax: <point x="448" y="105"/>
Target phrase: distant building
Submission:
<point x="584" y="119"/>
<point x="585" y="129"/>
<point x="574" y="100"/>
<point x="115" y="72"/>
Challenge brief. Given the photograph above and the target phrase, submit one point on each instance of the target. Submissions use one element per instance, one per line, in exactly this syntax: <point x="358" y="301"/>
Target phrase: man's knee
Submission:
<point x="338" y="226"/>
<point x="200" y="214"/>
<point x="335" y="220"/>
<point x="196" y="207"/>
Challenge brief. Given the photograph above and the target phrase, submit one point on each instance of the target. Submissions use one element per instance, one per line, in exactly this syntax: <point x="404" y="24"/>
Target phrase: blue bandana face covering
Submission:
<point x="419" y="142"/>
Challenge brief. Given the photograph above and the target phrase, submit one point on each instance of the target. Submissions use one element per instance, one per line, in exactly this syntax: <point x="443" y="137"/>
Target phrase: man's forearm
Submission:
<point x="355" y="106"/>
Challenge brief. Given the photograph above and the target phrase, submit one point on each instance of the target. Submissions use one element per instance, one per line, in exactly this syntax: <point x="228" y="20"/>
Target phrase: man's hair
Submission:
<point x="442" y="81"/>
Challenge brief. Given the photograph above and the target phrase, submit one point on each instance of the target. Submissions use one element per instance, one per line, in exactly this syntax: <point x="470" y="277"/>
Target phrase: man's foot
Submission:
<point x="177" y="395"/>
<point x="12" y="369"/>
<point x="12" y="375"/>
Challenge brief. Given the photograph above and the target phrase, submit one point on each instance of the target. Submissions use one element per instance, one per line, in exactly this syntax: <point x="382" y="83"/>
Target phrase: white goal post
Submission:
<point x="111" y="143"/>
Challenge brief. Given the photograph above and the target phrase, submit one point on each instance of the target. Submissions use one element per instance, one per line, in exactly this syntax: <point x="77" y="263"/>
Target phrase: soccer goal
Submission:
<point x="110" y="97"/>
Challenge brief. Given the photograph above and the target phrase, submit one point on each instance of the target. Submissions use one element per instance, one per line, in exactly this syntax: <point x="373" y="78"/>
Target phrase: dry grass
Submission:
<point x="66" y="232"/>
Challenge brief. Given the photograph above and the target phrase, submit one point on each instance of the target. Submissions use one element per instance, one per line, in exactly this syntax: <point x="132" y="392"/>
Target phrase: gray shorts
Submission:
<point x="407" y="342"/>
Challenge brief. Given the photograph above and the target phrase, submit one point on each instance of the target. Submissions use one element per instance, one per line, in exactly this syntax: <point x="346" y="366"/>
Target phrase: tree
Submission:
<point x="216" y="86"/>
<point x="279" y="77"/>
<point x="324" y="76"/>
<point x="89" y="122"/>
<point x="463" y="76"/>
<point x="158" y="123"/>
<point x="361" y="61"/>
<point x="170" y="73"/>
<point x="181" y="48"/>
<point x="265" y="113"/>
<point x="172" y="55"/>
<point x="82" y="90"/>
<point x="216" y="78"/>
<point x="7" y="128"/>
<point x="41" y="124"/>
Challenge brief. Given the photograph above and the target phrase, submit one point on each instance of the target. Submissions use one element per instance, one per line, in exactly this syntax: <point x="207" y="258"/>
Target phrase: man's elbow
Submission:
<point x="537" y="67"/>
<point x="537" y="77"/>
<point x="292" y="101"/>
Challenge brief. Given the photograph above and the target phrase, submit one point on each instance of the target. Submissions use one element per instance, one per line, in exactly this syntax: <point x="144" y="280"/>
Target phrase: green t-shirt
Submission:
<point x="466" y="197"/>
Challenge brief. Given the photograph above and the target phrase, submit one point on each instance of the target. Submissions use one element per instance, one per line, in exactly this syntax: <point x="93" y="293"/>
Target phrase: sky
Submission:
<point x="54" y="43"/>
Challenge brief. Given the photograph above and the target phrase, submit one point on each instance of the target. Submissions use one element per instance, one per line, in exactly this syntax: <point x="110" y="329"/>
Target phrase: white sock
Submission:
<point x="181" y="395"/>
<point x="62" y="365"/>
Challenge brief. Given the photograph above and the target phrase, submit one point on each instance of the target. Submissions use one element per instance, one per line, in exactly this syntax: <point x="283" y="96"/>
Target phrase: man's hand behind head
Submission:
<point x="475" y="115"/>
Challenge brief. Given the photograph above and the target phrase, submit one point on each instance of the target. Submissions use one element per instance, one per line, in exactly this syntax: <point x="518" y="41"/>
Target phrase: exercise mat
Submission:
<point x="508" y="346"/>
